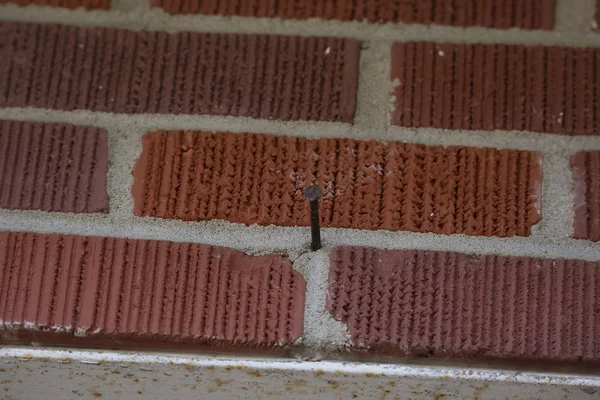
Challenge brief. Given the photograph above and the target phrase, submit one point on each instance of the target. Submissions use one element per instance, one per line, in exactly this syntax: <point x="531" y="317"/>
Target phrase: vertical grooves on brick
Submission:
<point x="135" y="302"/>
<point x="479" y="13"/>
<point x="178" y="299"/>
<point x="63" y="278"/>
<point x="450" y="304"/>
<point x="112" y="287"/>
<point x="41" y="168"/>
<point x="24" y="47"/>
<point x="7" y="245"/>
<point x="155" y="92"/>
<point x="91" y="68"/>
<point x="77" y="153"/>
<point x="540" y="89"/>
<point x="62" y="173"/>
<point x="231" y="306"/>
<point x="6" y="51"/>
<point x="48" y="281"/>
<point x="9" y="157"/>
<point x="51" y="173"/>
<point x="105" y="255"/>
<point x="220" y="304"/>
<point x="172" y="279"/>
<point x="147" y="265"/>
<point x="22" y="287"/>
<point x="593" y="197"/>
<point x="260" y="179"/>
<point x="585" y="169"/>
<point x="11" y="273"/>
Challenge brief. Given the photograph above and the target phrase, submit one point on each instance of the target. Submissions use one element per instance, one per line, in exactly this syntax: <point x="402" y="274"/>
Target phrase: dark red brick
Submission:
<point x="53" y="167"/>
<point x="497" y="86"/>
<point x="111" y="70"/>
<point x="597" y="14"/>
<point x="585" y="167"/>
<point x="260" y="179"/>
<point x="453" y="305"/>
<point x="72" y="4"/>
<point x="130" y="293"/>
<point x="502" y="14"/>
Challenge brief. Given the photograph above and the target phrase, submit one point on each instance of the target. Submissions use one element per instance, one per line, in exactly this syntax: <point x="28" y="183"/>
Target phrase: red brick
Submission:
<point x="502" y="14"/>
<point x="597" y="14"/>
<point x="260" y="179"/>
<point x="128" y="292"/>
<point x="585" y="167"/>
<point x="453" y="305"/>
<point x="497" y="86"/>
<point x="111" y="70"/>
<point x="53" y="167"/>
<point x="72" y="4"/>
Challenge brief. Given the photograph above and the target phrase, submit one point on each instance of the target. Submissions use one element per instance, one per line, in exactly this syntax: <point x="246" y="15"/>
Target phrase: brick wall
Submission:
<point x="154" y="157"/>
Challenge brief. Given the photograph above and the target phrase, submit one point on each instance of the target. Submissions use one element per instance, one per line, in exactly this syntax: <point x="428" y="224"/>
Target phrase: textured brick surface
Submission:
<point x="274" y="77"/>
<point x="597" y="14"/>
<point x="53" y="167"/>
<point x="585" y="167"/>
<point x="88" y="4"/>
<point x="253" y="178"/>
<point x="527" y="14"/>
<point x="138" y="290"/>
<point x="451" y="304"/>
<point x="497" y="86"/>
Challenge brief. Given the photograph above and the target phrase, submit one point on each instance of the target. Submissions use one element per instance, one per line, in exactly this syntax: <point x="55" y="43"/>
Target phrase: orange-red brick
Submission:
<point x="260" y="179"/>
<point x="110" y="291"/>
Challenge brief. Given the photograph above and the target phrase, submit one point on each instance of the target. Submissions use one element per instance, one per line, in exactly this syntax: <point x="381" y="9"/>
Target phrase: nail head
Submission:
<point x="313" y="193"/>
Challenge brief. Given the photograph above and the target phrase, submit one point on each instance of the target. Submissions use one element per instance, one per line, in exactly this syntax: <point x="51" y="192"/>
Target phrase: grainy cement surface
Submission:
<point x="575" y="15"/>
<point x="76" y="374"/>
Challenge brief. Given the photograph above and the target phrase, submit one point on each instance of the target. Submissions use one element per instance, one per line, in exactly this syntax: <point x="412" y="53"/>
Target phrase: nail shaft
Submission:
<point x="313" y="194"/>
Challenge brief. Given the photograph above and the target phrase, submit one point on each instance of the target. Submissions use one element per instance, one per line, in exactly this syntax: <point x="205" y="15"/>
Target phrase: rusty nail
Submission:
<point x="313" y="194"/>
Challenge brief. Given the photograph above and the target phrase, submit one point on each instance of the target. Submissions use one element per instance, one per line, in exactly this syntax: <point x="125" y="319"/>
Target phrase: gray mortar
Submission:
<point x="138" y="124"/>
<point x="289" y="241"/>
<point x="557" y="195"/>
<point x="322" y="333"/>
<point x="125" y="148"/>
<point x="156" y="19"/>
<point x="549" y="238"/>
<point x="129" y="5"/>
<point x="374" y="86"/>
<point x="575" y="15"/>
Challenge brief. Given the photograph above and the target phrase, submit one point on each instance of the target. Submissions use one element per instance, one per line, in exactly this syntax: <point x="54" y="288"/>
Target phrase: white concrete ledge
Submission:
<point x="74" y="374"/>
